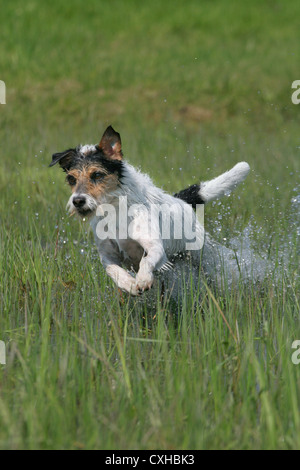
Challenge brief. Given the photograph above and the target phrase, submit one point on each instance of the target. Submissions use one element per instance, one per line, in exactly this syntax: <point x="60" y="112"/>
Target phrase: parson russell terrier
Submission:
<point x="138" y="228"/>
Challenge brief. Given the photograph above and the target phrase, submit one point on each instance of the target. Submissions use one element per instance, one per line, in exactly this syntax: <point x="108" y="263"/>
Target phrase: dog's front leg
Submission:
<point x="123" y="279"/>
<point x="111" y="261"/>
<point x="154" y="259"/>
<point x="145" y="231"/>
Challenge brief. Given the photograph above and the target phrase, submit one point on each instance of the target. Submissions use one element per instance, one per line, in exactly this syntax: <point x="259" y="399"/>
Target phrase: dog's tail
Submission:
<point x="213" y="189"/>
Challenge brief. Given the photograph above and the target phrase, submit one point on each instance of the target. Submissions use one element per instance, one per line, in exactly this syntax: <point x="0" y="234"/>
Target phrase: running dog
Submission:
<point x="142" y="231"/>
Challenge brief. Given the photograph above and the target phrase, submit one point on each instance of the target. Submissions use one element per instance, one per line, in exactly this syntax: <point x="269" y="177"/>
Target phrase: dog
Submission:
<point x="130" y="238"/>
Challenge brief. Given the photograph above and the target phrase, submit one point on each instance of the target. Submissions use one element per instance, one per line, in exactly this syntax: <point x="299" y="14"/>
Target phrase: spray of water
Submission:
<point x="240" y="260"/>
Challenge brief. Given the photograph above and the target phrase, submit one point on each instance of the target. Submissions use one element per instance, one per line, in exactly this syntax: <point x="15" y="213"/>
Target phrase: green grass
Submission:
<point x="193" y="87"/>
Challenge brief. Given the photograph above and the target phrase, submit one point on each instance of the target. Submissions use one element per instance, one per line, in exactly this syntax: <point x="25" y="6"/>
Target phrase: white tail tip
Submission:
<point x="224" y="183"/>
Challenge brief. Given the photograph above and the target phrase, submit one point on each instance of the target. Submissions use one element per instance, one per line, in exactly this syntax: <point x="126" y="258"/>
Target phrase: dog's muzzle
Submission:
<point x="83" y="204"/>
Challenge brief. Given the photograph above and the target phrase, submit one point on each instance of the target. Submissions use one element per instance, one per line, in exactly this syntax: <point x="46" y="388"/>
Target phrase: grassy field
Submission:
<point x="193" y="87"/>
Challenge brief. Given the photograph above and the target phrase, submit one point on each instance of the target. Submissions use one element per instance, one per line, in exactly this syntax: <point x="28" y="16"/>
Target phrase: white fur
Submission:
<point x="224" y="183"/>
<point x="85" y="149"/>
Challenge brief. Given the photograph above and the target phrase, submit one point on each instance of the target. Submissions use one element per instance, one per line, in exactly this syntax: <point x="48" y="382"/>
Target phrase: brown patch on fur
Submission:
<point x="84" y="183"/>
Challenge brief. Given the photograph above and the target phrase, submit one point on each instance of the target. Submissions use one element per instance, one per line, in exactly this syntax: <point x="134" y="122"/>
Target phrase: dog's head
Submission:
<point x="93" y="171"/>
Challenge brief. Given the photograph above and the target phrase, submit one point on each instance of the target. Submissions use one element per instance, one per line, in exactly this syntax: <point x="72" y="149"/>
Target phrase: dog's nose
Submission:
<point x="79" y="201"/>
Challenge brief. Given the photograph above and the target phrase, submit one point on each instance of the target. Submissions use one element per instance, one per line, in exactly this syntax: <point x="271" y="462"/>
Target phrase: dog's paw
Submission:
<point x="123" y="279"/>
<point x="134" y="290"/>
<point x="131" y="287"/>
<point x="144" y="280"/>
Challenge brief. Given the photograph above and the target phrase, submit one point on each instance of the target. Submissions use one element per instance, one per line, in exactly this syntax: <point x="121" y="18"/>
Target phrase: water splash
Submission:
<point x="295" y="211"/>
<point x="240" y="260"/>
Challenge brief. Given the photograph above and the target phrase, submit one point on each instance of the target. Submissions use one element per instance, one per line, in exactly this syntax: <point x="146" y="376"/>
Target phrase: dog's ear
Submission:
<point x="64" y="159"/>
<point x="110" y="144"/>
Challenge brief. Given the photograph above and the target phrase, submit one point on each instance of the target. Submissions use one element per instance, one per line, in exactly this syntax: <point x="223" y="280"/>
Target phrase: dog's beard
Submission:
<point x="87" y="210"/>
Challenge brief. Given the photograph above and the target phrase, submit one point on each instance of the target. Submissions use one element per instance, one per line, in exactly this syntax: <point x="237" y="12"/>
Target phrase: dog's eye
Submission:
<point x="97" y="176"/>
<point x="71" y="180"/>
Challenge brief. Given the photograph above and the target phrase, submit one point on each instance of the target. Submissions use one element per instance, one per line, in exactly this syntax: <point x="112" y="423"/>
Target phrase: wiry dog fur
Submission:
<point x="98" y="175"/>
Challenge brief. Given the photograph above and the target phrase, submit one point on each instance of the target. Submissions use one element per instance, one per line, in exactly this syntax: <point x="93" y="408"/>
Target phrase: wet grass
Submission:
<point x="193" y="87"/>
